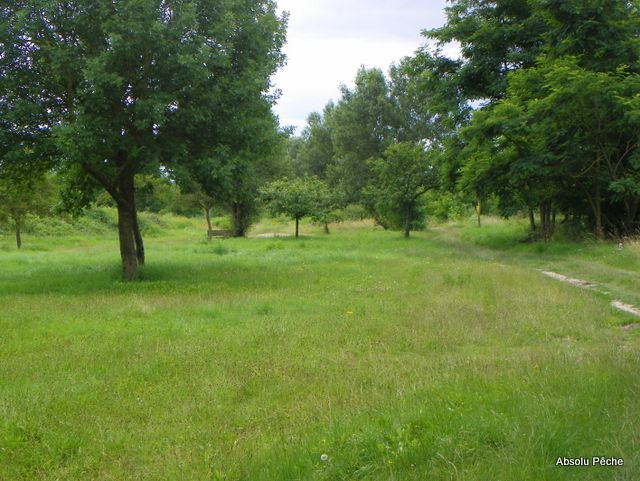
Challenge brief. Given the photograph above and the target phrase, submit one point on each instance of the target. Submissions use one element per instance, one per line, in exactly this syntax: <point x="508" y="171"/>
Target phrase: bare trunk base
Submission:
<point x="137" y="236"/>
<point x="18" y="236"/>
<point x="532" y="221"/>
<point x="126" y="236"/>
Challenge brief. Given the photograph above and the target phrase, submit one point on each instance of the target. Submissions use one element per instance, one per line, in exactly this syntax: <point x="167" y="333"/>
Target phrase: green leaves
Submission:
<point x="126" y="87"/>
<point x="557" y="126"/>
<point x="299" y="197"/>
<point x="402" y="175"/>
<point x="363" y="125"/>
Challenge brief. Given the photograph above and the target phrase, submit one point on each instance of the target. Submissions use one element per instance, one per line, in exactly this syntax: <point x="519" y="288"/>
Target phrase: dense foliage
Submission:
<point x="19" y="199"/>
<point x="118" y="89"/>
<point x="558" y="128"/>
<point x="539" y="115"/>
<point x="401" y="177"/>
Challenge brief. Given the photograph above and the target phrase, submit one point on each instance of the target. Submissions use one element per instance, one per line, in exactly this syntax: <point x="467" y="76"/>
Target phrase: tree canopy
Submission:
<point x="402" y="176"/>
<point x="298" y="198"/>
<point x="122" y="88"/>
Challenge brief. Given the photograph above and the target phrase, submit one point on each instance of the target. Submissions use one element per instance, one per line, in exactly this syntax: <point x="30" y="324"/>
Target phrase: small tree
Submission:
<point x="19" y="198"/>
<point x="326" y="211"/>
<point x="297" y="198"/>
<point x="402" y="175"/>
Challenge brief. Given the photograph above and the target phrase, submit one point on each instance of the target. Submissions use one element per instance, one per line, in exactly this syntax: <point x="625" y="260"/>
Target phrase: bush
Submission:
<point x="354" y="212"/>
<point x="96" y="221"/>
<point x="447" y="206"/>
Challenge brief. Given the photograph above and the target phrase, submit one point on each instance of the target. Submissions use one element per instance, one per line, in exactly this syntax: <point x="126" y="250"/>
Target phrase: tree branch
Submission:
<point x="103" y="181"/>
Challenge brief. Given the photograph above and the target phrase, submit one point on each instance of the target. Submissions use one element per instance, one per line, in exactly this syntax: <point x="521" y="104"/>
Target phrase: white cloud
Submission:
<point x="328" y="40"/>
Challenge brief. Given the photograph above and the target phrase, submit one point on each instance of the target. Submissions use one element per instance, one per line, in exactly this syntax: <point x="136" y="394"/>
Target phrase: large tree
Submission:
<point x="252" y="155"/>
<point x="362" y="126"/>
<point x="124" y="87"/>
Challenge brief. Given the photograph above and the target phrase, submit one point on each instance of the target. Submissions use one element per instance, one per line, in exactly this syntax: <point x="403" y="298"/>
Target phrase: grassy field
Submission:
<point x="354" y="356"/>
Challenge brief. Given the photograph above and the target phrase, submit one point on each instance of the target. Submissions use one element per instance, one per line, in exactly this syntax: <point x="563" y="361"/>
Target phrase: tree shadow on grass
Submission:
<point x="207" y="275"/>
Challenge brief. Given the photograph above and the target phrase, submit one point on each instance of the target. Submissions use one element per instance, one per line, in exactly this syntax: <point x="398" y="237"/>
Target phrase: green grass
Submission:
<point x="432" y="358"/>
<point x="615" y="268"/>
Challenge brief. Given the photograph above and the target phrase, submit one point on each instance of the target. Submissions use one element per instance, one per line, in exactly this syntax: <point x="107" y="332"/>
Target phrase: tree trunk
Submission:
<point x="532" y="220"/>
<point x="122" y="190"/>
<point x="137" y="237"/>
<point x="546" y="223"/>
<point x="631" y="212"/>
<point x="597" y="212"/>
<point x="127" y="243"/>
<point x="239" y="219"/>
<point x="297" y="222"/>
<point x="479" y="211"/>
<point x="18" y="235"/>
<point x="326" y="227"/>
<point x="407" y="225"/>
<point x="127" y="227"/>
<point x="207" y="214"/>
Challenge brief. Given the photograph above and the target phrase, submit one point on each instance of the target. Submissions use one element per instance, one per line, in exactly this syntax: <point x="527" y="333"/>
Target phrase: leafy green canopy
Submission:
<point x="555" y="86"/>
<point x="362" y="126"/>
<point x="298" y="198"/>
<point x="123" y="87"/>
<point x="402" y="176"/>
<point x="21" y="198"/>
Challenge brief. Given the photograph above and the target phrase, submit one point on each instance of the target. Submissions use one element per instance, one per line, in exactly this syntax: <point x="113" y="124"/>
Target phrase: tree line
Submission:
<point x="540" y="115"/>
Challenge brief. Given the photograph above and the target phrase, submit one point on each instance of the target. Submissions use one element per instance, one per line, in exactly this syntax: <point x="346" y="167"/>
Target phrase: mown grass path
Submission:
<point x="248" y="359"/>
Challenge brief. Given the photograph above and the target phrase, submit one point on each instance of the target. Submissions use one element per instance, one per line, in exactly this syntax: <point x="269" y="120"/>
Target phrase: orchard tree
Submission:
<point x="298" y="198"/>
<point x="402" y="176"/>
<point x="125" y="87"/>
<point x="19" y="198"/>
<point x="252" y="156"/>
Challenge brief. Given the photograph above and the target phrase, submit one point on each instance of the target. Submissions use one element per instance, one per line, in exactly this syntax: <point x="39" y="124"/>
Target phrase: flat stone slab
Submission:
<point x="631" y="327"/>
<point x="628" y="308"/>
<point x="570" y="280"/>
<point x="270" y="235"/>
<point x="619" y="305"/>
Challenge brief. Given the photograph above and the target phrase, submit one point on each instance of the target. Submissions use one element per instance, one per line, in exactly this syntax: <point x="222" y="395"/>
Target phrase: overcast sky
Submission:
<point x="328" y="40"/>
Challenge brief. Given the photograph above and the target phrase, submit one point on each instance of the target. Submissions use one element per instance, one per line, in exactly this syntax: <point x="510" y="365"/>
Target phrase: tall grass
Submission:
<point x="250" y="359"/>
